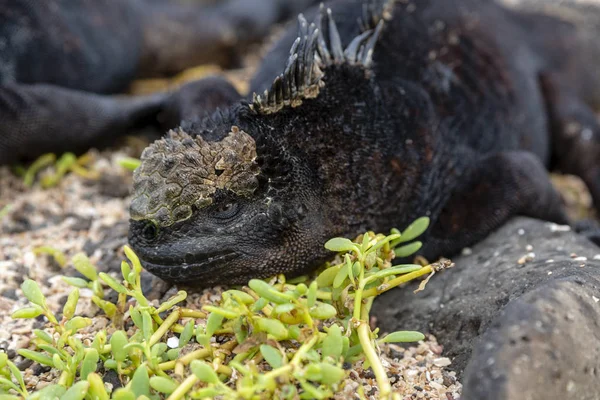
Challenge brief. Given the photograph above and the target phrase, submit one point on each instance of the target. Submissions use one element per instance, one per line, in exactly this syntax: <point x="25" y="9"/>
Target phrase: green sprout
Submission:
<point x="57" y="169"/>
<point x="129" y="163"/>
<point x="275" y="338"/>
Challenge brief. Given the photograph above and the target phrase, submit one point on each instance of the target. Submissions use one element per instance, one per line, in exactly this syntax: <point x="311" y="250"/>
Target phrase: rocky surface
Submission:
<point x="520" y="311"/>
<point x="544" y="345"/>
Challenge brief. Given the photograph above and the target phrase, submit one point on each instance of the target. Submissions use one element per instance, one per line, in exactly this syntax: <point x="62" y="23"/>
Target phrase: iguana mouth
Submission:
<point x="190" y="269"/>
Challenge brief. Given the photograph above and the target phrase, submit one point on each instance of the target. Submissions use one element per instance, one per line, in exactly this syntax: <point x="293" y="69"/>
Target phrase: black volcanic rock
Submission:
<point x="519" y="314"/>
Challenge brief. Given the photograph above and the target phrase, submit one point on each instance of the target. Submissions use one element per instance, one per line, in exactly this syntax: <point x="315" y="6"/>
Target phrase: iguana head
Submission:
<point x="236" y="198"/>
<point x="211" y="212"/>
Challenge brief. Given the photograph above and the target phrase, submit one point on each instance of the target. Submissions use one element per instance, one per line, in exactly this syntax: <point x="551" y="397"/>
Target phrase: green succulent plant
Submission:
<point x="275" y="338"/>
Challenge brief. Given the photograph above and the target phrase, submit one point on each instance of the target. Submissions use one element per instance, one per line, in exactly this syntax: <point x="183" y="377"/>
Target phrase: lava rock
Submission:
<point x="518" y="307"/>
<point x="543" y="345"/>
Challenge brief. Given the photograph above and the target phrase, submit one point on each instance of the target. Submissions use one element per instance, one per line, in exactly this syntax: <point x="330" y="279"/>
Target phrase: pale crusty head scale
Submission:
<point x="181" y="171"/>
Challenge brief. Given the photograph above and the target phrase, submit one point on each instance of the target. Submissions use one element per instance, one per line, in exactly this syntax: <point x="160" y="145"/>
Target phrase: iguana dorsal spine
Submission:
<point x="317" y="47"/>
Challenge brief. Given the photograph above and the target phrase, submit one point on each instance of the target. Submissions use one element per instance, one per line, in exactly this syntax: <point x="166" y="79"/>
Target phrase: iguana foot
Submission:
<point x="575" y="134"/>
<point x="498" y="187"/>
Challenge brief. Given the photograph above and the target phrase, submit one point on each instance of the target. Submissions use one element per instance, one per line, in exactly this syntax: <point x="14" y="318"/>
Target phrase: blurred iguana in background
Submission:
<point x="61" y="59"/>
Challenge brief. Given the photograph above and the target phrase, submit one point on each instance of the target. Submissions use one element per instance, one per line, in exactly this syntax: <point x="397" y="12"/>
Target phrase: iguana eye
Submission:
<point x="226" y="209"/>
<point x="150" y="231"/>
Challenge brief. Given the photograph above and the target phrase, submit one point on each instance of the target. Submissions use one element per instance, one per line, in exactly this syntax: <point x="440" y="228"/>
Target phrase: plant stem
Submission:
<point x="183" y="388"/>
<point x="364" y="335"/>
<point x="187" y="312"/>
<point x="167" y="365"/>
<point x="375" y="291"/>
<point x="195" y="355"/>
<point x="359" y="293"/>
<point x="358" y="296"/>
<point x="64" y="378"/>
<point x="167" y="323"/>
<point x="286" y="369"/>
<point x="361" y="314"/>
<point x="224" y="369"/>
<point x="297" y="359"/>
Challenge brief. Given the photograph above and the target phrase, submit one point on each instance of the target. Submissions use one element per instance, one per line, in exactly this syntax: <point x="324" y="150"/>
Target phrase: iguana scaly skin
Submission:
<point x="381" y="112"/>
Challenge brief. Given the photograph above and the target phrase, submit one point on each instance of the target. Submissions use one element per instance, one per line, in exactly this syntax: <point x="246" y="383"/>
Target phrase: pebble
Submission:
<point x="526" y="258"/>
<point x="449" y="379"/>
<point x="442" y="362"/>
<point x="173" y="342"/>
<point x="10" y="293"/>
<point x="29" y="259"/>
<point x="559" y="228"/>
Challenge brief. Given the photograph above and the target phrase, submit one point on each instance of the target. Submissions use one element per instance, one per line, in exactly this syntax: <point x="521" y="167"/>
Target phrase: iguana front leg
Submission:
<point x="496" y="188"/>
<point x="38" y="119"/>
<point x="576" y="141"/>
<point x="575" y="134"/>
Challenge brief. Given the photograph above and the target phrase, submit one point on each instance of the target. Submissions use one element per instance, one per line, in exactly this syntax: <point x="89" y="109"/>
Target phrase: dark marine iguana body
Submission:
<point x="384" y="111"/>
<point x="59" y="59"/>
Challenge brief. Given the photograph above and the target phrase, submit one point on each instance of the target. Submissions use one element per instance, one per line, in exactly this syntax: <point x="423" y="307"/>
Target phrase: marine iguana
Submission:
<point x="381" y="111"/>
<point x="60" y="58"/>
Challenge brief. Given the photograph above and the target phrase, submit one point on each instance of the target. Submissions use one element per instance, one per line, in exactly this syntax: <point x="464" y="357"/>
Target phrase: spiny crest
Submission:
<point x="301" y="78"/>
<point x="179" y="172"/>
<point x="375" y="11"/>
<point x="318" y="46"/>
